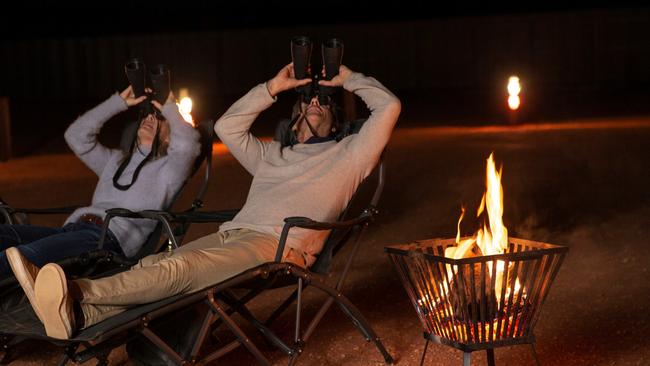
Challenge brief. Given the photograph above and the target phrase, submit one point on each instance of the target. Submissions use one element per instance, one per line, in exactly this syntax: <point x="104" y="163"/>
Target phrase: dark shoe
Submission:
<point x="25" y="272"/>
<point x="56" y="303"/>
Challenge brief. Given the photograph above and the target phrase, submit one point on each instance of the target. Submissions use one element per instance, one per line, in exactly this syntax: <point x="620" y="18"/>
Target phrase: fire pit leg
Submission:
<point x="467" y="358"/>
<point x="490" y="357"/>
<point x="424" y="354"/>
<point x="532" y="349"/>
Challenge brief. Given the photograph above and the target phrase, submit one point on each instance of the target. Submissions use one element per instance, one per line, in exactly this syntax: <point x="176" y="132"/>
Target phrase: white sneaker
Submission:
<point x="25" y="272"/>
<point x="53" y="299"/>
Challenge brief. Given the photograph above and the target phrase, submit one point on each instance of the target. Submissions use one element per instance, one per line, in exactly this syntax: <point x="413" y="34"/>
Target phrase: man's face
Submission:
<point x="317" y="114"/>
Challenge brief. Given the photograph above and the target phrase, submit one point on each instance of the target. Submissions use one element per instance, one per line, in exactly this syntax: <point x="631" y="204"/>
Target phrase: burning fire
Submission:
<point x="488" y="240"/>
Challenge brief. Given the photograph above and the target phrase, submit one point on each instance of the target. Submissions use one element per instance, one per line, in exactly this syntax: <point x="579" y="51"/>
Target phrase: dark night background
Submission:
<point x="576" y="171"/>
<point x="449" y="61"/>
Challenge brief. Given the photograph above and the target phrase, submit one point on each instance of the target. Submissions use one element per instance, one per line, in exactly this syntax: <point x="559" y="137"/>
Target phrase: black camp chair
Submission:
<point x="101" y="262"/>
<point x="220" y="301"/>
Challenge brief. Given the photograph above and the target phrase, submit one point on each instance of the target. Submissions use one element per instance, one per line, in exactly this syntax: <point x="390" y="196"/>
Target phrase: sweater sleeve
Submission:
<point x="184" y="145"/>
<point x="233" y="127"/>
<point x="384" y="107"/>
<point x="81" y="136"/>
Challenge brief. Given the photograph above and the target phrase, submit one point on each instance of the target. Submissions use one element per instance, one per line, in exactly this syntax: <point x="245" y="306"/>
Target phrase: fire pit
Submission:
<point x="481" y="292"/>
<point x="457" y="299"/>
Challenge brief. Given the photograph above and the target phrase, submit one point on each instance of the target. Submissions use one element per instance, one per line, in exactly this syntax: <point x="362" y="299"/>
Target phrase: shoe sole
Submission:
<point x="24" y="278"/>
<point x="51" y="293"/>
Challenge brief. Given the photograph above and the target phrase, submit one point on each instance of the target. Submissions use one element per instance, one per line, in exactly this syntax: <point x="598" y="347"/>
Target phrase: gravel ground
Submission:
<point x="582" y="184"/>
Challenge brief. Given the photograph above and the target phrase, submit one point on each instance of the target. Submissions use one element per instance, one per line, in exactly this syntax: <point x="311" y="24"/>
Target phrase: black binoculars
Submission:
<point x="158" y="81"/>
<point x="332" y="53"/>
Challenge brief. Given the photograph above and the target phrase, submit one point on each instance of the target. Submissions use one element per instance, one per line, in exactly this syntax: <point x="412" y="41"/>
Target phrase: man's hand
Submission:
<point x="339" y="79"/>
<point x="285" y="80"/>
<point x="129" y="97"/>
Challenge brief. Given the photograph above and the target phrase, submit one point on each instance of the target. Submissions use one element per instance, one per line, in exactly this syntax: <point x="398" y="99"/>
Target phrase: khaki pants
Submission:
<point x="190" y="268"/>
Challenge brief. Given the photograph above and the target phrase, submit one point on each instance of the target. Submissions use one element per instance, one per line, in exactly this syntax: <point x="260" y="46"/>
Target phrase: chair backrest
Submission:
<point x="206" y="131"/>
<point x="366" y="197"/>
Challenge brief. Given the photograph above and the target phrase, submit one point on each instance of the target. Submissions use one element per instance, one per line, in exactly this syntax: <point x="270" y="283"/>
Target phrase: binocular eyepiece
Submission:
<point x="158" y="80"/>
<point x="332" y="55"/>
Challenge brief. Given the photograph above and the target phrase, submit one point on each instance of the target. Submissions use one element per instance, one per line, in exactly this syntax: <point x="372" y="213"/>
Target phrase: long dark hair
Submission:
<point x="158" y="149"/>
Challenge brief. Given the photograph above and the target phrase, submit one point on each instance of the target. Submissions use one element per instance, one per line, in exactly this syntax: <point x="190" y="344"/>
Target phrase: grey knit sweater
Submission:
<point x="157" y="183"/>
<point x="312" y="180"/>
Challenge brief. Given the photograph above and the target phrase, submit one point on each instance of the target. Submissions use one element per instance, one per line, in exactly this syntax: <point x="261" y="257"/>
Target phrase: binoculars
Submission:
<point x="158" y="80"/>
<point x="332" y="53"/>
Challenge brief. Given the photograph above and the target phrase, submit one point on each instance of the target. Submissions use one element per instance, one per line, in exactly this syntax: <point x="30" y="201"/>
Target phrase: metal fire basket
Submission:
<point x="479" y="302"/>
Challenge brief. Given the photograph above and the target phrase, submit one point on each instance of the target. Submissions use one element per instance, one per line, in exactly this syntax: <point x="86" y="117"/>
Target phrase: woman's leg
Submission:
<point x="70" y="241"/>
<point x="21" y="235"/>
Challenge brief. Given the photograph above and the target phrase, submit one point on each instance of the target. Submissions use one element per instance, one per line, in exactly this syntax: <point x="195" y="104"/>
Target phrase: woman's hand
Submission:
<point x="170" y="99"/>
<point x="129" y="97"/>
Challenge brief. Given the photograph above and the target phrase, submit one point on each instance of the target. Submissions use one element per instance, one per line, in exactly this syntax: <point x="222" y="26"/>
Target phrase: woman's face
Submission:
<point x="147" y="131"/>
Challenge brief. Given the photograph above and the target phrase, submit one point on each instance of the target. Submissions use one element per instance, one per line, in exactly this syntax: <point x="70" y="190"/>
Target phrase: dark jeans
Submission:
<point x="42" y="245"/>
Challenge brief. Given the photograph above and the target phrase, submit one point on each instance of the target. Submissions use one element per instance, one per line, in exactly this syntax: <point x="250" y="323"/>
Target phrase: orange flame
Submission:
<point x="492" y="239"/>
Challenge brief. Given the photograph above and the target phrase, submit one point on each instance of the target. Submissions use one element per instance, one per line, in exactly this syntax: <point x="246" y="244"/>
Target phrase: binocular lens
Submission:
<point x="135" y="72"/>
<point x="160" y="82"/>
<point x="300" y="55"/>
<point x="332" y="57"/>
<point x="134" y="64"/>
<point x="333" y="43"/>
<point x="301" y="41"/>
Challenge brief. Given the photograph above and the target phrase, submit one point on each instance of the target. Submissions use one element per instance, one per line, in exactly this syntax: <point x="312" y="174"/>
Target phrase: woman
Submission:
<point x="145" y="178"/>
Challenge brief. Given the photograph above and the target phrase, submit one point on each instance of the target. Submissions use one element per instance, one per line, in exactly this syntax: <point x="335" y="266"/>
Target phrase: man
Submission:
<point x="314" y="177"/>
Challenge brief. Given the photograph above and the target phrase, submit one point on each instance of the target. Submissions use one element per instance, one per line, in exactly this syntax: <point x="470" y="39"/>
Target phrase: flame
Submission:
<point x="490" y="239"/>
<point x="462" y="214"/>
<point x="494" y="240"/>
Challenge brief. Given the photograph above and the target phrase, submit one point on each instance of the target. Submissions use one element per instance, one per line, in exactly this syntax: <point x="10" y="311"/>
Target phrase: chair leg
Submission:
<point x="243" y="339"/>
<point x="4" y="348"/>
<point x="277" y="312"/>
<point x="357" y="318"/>
<point x="69" y="352"/>
<point x="102" y="360"/>
<point x="269" y="336"/>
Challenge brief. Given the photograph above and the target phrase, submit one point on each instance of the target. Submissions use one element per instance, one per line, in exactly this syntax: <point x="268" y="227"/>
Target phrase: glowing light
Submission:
<point x="514" y="88"/>
<point x="185" y="106"/>
<point x="514" y="102"/>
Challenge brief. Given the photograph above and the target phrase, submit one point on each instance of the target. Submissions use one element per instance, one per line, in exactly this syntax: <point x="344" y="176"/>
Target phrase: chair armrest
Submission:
<point x="304" y="222"/>
<point x="6" y="211"/>
<point x="163" y="217"/>
<point x="307" y="223"/>
<point x="206" y="216"/>
<point x="46" y="211"/>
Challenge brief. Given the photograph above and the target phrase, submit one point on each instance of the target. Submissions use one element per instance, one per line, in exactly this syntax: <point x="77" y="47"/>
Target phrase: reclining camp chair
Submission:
<point x="101" y="262"/>
<point x="221" y="301"/>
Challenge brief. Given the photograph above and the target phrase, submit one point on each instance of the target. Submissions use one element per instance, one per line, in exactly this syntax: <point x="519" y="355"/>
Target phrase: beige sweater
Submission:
<point x="311" y="180"/>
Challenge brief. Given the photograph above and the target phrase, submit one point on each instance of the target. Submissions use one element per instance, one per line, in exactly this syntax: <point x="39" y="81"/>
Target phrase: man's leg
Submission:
<point x="200" y="264"/>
